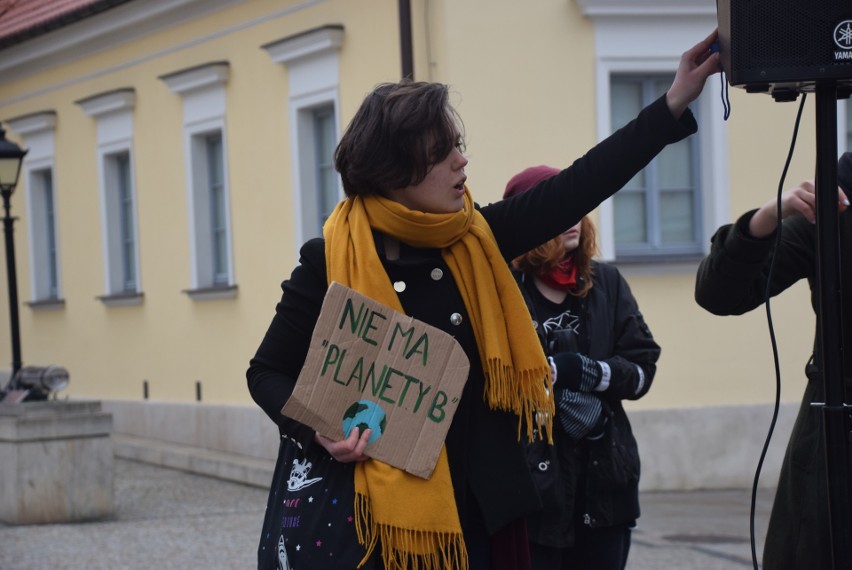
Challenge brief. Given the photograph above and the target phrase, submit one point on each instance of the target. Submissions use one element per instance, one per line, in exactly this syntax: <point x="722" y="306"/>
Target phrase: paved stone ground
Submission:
<point x="700" y="530"/>
<point x="166" y="519"/>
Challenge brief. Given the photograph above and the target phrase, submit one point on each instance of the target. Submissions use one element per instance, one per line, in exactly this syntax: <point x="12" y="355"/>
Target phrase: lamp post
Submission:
<point x="11" y="157"/>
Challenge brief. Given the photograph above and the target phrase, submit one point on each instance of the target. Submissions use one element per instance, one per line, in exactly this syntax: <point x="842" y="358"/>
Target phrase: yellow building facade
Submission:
<point x="178" y="157"/>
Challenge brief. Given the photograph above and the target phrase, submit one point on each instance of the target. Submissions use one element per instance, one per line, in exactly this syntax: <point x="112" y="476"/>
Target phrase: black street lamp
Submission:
<point x="11" y="157"/>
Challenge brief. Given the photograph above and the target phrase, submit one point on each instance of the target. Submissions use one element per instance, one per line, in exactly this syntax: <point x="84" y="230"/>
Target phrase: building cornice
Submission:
<point x="312" y="42"/>
<point x="596" y="9"/>
<point x="110" y="102"/>
<point x="198" y="77"/>
<point x="33" y="123"/>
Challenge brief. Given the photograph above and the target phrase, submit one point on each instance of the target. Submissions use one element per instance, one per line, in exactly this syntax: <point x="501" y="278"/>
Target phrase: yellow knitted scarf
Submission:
<point x="416" y="519"/>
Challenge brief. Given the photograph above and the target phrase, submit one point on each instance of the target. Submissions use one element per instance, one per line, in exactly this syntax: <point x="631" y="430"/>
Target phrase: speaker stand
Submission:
<point x="829" y="327"/>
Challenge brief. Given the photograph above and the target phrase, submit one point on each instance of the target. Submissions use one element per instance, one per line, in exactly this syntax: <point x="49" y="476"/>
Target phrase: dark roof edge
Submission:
<point x="66" y="19"/>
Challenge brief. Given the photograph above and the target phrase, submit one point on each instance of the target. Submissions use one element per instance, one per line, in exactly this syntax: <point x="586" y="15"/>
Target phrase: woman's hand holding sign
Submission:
<point x="347" y="450"/>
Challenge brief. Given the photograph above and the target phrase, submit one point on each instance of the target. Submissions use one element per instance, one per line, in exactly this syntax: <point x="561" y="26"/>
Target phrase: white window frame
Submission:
<point x="313" y="71"/>
<point x="201" y="226"/>
<point x="38" y="131"/>
<point x="114" y="114"/>
<point x="204" y="112"/>
<point x="42" y="288"/>
<point x="652" y="193"/>
<point x="325" y="164"/>
<point x="648" y="38"/>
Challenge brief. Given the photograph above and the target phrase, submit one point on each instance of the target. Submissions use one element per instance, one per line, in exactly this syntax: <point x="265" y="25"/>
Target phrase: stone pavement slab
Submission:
<point x="164" y="519"/>
<point x="706" y="530"/>
<point x="167" y="519"/>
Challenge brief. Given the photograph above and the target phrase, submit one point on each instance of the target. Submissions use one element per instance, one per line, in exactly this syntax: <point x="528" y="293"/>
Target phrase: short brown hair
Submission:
<point x="400" y="131"/>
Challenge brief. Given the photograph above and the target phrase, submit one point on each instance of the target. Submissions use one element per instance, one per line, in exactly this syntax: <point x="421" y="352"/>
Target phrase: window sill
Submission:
<point x="46" y="304"/>
<point x="658" y="265"/>
<point x="121" y="299"/>
<point x="212" y="293"/>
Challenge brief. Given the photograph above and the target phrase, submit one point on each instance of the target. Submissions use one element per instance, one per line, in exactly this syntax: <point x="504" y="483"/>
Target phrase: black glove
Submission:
<point x="576" y="372"/>
<point x="580" y="414"/>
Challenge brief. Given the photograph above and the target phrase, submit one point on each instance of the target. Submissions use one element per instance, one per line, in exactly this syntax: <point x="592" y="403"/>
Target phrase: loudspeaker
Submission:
<point x="779" y="46"/>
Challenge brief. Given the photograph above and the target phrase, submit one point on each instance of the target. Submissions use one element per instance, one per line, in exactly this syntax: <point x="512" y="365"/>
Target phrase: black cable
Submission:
<point x="772" y="332"/>
<point x="726" y="100"/>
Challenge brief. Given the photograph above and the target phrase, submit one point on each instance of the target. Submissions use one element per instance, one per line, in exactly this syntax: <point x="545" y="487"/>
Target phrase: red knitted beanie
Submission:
<point x="527" y="178"/>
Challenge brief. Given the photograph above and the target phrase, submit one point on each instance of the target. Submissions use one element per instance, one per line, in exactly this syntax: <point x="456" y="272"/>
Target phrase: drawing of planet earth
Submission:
<point x="365" y="414"/>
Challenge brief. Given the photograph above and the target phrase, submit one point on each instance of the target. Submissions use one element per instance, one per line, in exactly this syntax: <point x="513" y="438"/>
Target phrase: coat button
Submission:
<point x="456" y="319"/>
<point x="436" y="274"/>
<point x="399" y="286"/>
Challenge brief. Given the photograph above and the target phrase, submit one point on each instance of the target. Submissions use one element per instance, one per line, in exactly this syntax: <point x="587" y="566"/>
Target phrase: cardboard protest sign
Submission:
<point x="371" y="366"/>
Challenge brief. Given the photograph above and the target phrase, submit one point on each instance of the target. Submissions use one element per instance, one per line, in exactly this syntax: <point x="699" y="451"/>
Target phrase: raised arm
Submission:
<point x="696" y="65"/>
<point x="526" y="221"/>
<point x="800" y="200"/>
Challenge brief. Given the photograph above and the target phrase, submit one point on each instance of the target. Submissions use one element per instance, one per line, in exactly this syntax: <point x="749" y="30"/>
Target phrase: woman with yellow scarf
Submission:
<point x="409" y="235"/>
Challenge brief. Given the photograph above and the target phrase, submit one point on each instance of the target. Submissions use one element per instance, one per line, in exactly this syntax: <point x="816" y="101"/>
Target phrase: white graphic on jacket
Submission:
<point x="299" y="476"/>
<point x="565" y="321"/>
<point x="283" y="563"/>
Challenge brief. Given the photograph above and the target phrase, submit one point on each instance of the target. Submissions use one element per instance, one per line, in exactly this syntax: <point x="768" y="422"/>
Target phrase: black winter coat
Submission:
<point x="606" y="483"/>
<point x="487" y="464"/>
<point x="732" y="280"/>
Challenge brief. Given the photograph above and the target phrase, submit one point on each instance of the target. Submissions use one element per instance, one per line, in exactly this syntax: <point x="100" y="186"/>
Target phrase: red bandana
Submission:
<point x="562" y="277"/>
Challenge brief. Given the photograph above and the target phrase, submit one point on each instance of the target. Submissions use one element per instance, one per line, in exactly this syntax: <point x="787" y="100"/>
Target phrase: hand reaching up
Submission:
<point x="696" y="65"/>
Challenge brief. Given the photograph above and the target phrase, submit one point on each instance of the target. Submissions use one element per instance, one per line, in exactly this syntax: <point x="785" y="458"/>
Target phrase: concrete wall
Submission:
<point x="713" y="447"/>
<point x="237" y="443"/>
<point x="681" y="448"/>
<point x="56" y="462"/>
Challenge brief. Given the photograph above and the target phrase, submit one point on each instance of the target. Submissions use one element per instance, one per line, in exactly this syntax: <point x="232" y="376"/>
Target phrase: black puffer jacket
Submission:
<point x="595" y="481"/>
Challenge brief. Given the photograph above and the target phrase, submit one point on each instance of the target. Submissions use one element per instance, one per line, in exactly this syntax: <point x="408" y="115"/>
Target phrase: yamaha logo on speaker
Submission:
<point x="843" y="40"/>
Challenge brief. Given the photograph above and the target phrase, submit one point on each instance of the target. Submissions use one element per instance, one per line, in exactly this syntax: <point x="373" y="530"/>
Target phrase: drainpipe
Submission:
<point x="405" y="39"/>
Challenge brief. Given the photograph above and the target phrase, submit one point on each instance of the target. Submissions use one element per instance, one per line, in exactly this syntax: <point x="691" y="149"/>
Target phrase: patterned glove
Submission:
<point x="580" y="414"/>
<point x="580" y="373"/>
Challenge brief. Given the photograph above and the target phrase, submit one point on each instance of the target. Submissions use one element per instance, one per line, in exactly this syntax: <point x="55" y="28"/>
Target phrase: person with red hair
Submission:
<point x="601" y="352"/>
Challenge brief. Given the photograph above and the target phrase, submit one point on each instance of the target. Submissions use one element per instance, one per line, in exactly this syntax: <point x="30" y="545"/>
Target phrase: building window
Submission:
<point x="121" y="226"/>
<point x="325" y="138"/>
<point x="848" y="129"/>
<point x="313" y="72"/>
<point x="43" y="207"/>
<point x="203" y="91"/>
<point x="45" y="255"/>
<point x="119" y="207"/>
<point x="113" y="112"/>
<point x="218" y="221"/>
<point x="318" y="190"/>
<point x="658" y="212"/>
<point x="210" y="219"/>
<point x="637" y="40"/>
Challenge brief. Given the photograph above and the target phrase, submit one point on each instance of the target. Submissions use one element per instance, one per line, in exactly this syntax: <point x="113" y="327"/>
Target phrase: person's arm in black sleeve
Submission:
<point x="624" y="369"/>
<point x="633" y="363"/>
<point x="732" y="278"/>
<point x="729" y="279"/>
<point x="273" y="370"/>
<point x="557" y="203"/>
<point x="526" y="221"/>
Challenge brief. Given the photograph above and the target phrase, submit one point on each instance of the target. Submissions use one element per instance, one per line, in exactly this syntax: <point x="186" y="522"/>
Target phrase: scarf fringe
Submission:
<point x="408" y="549"/>
<point x="523" y="393"/>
